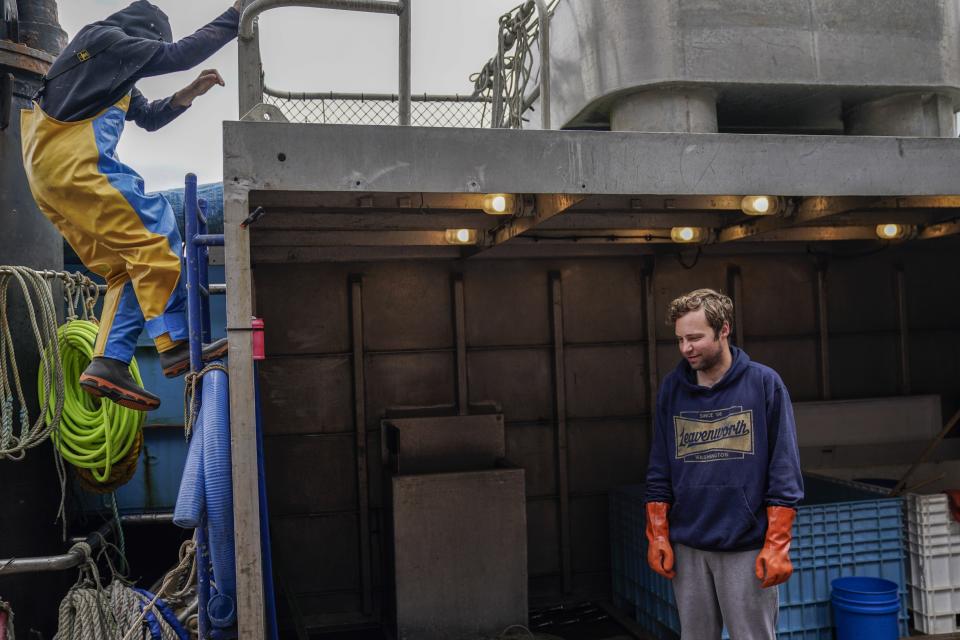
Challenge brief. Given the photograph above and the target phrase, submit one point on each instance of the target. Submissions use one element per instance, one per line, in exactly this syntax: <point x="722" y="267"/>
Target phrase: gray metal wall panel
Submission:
<point x="606" y="454"/>
<point x="531" y="447"/>
<point x="606" y="381"/>
<point x="794" y="359"/>
<point x="543" y="537"/>
<point x="862" y="366"/>
<point x="316" y="554"/>
<point x="507" y="304"/>
<point x="602" y="301"/>
<point x="305" y="308"/>
<point x="519" y="379"/>
<point x="935" y="363"/>
<point x="933" y="289"/>
<point x="767" y="282"/>
<point x="861" y="295"/>
<point x="308" y="474"/>
<point x="590" y="543"/>
<point x="407" y="306"/>
<point x="291" y="387"/>
<point x="408" y="380"/>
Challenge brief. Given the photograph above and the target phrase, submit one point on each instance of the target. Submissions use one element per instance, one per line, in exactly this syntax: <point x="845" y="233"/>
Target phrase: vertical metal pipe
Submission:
<point x="360" y="420"/>
<point x="204" y="269"/>
<point x="190" y="220"/>
<point x="496" y="110"/>
<point x="544" y="19"/>
<point x="405" y="66"/>
<point x="824" y="331"/>
<point x="460" y="333"/>
<point x="653" y="376"/>
<point x="735" y="279"/>
<point x="250" y="66"/>
<point x="560" y="409"/>
<point x="903" y="325"/>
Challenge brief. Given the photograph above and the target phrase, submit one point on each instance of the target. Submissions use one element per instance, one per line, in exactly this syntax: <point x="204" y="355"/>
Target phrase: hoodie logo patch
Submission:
<point x="708" y="436"/>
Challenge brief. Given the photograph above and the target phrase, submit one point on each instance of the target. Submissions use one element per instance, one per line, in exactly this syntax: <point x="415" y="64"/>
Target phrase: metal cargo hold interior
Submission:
<point x="555" y="316"/>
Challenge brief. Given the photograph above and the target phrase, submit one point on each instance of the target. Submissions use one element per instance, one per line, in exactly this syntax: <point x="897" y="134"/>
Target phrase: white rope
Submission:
<point x="36" y="291"/>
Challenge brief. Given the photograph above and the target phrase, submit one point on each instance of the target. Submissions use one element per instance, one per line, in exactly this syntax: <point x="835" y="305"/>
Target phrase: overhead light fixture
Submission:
<point x="499" y="204"/>
<point x="891" y="231"/>
<point x="687" y="235"/>
<point x="461" y="236"/>
<point x="761" y="205"/>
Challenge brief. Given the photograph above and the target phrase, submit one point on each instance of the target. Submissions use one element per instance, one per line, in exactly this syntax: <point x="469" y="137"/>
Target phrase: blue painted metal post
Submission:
<point x="204" y="259"/>
<point x="191" y="219"/>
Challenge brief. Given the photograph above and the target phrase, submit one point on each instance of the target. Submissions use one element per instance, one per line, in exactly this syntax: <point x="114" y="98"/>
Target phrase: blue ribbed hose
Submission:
<point x="218" y="484"/>
<point x="190" y="500"/>
<point x="207" y="487"/>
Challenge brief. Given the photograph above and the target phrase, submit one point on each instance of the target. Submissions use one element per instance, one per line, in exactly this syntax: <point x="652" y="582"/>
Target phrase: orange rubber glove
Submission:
<point x="659" y="553"/>
<point x="773" y="563"/>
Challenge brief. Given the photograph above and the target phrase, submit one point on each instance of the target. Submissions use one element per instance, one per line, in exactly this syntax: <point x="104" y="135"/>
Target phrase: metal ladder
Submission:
<point x="197" y="243"/>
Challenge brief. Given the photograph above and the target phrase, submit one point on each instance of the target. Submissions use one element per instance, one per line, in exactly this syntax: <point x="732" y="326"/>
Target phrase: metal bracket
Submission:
<point x="264" y="113"/>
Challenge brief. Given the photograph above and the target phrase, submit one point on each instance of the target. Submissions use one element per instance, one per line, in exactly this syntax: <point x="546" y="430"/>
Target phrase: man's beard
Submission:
<point x="708" y="362"/>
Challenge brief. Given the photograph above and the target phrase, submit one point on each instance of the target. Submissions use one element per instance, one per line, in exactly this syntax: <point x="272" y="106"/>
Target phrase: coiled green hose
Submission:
<point x="93" y="434"/>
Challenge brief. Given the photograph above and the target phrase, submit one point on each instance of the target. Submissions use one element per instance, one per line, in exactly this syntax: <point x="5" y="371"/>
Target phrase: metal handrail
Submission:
<point x="252" y="89"/>
<point x="77" y="554"/>
<point x="387" y="97"/>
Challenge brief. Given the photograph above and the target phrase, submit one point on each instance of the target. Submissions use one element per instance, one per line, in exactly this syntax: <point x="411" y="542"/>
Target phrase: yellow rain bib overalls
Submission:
<point x="118" y="232"/>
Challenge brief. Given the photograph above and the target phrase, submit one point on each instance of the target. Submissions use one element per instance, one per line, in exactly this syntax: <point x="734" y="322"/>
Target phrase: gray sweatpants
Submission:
<point x="714" y="588"/>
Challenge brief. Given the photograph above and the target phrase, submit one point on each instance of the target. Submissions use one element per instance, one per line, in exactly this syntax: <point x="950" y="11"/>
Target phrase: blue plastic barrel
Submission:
<point x="865" y="608"/>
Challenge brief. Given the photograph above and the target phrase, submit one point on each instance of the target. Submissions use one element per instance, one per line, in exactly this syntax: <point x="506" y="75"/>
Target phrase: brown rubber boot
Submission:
<point x="176" y="361"/>
<point x="111" y="379"/>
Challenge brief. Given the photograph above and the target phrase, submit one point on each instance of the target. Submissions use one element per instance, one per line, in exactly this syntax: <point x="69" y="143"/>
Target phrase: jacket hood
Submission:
<point x="141" y="20"/>
<point x="741" y="361"/>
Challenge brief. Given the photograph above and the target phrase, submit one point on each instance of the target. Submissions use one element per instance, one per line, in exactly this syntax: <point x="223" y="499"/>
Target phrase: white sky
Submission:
<point x="303" y="50"/>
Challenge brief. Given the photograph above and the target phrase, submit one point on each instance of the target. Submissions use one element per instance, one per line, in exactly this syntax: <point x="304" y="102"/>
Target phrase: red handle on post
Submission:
<point x="259" y="348"/>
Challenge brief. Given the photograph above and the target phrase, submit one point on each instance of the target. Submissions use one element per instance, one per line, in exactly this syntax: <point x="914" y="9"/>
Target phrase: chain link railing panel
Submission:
<point x="465" y="113"/>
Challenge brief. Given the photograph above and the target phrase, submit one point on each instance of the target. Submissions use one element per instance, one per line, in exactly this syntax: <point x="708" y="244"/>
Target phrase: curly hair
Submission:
<point x="717" y="307"/>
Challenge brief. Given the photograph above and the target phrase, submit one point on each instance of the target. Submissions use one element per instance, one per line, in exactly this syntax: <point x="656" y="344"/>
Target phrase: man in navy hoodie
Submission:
<point x="724" y="479"/>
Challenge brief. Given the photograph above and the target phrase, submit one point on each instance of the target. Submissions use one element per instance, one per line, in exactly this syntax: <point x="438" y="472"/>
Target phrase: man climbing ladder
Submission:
<point x="98" y="203"/>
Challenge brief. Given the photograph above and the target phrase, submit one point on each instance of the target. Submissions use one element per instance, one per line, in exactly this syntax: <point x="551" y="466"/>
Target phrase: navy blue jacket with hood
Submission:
<point x="105" y="60"/>
<point x="721" y="455"/>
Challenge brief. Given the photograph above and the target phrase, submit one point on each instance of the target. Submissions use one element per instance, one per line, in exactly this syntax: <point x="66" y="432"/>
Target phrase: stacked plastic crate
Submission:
<point x="933" y="541"/>
<point x="840" y="530"/>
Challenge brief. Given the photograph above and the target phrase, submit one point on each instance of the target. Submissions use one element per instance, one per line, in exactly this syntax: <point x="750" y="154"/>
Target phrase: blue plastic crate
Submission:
<point x="842" y="535"/>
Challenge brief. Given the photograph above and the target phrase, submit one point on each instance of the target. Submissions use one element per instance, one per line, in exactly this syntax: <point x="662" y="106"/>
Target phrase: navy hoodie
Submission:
<point x="133" y="43"/>
<point x="720" y="455"/>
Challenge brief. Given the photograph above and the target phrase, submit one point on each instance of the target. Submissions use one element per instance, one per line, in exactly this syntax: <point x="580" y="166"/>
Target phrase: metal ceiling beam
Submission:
<point x="415" y="159"/>
<point x="546" y="207"/>
<point x="809" y="210"/>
